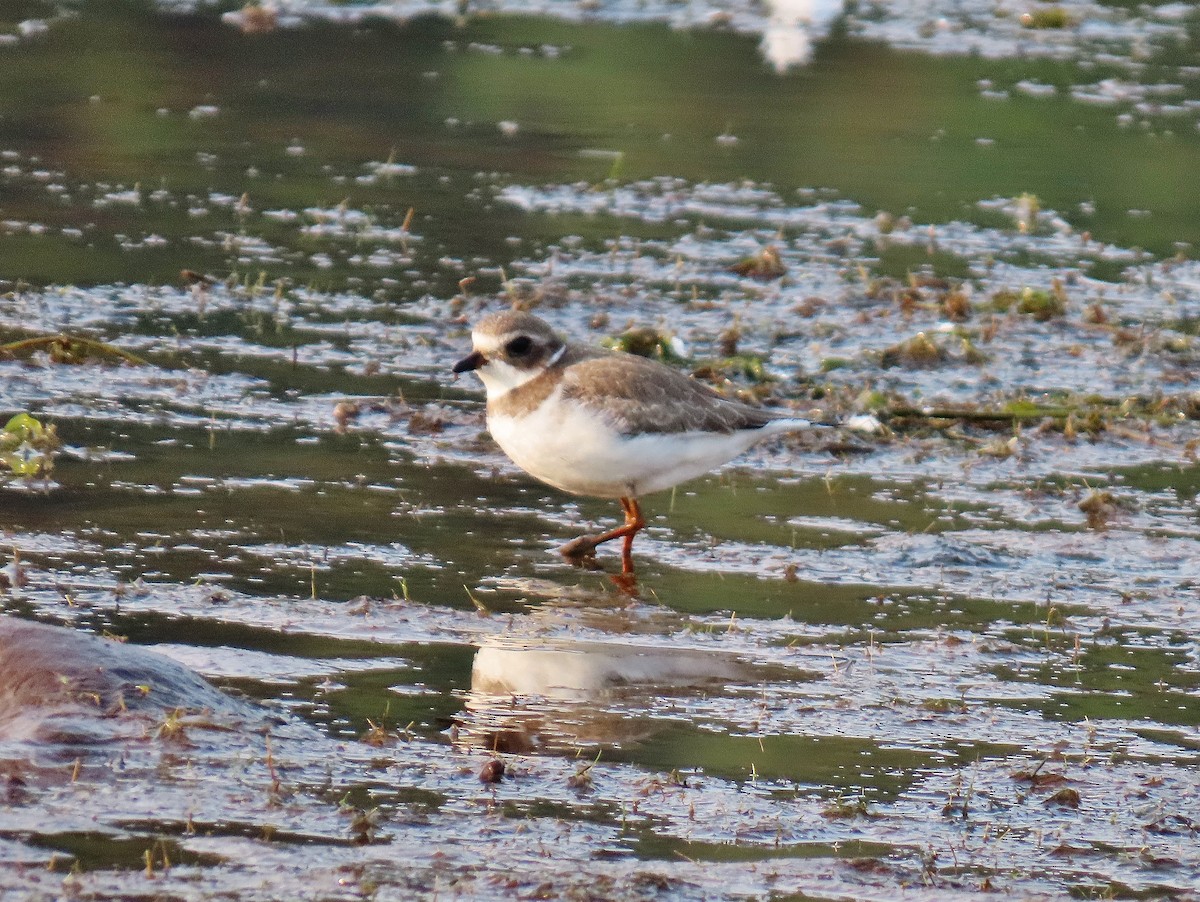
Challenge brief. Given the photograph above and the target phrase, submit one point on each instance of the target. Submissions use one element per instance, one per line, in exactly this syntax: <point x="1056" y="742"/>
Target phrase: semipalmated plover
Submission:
<point x="604" y="423"/>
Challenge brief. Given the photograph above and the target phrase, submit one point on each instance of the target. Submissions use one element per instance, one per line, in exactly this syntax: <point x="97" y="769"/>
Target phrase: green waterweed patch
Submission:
<point x="68" y="349"/>
<point x="379" y="735"/>
<point x="1048" y="17"/>
<point x="656" y="345"/>
<point x="920" y="351"/>
<point x="173" y="727"/>
<point x="645" y="342"/>
<point x="925" y="351"/>
<point x="944" y="705"/>
<point x="1039" y="303"/>
<point x="740" y="366"/>
<point x="844" y="808"/>
<point x="27" y="448"/>
<point x="1069" y="415"/>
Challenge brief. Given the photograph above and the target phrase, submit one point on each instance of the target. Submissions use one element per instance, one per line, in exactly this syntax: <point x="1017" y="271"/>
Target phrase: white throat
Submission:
<point x="499" y="377"/>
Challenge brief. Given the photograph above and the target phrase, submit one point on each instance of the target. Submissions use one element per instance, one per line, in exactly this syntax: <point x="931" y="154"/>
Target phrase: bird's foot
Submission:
<point x="626" y="584"/>
<point x="581" y="552"/>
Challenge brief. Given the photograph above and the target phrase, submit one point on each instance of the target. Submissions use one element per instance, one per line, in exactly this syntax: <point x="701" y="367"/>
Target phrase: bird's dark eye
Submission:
<point x="519" y="346"/>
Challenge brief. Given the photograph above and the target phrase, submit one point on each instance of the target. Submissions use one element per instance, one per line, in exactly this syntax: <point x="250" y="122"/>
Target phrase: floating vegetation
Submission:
<point x="727" y="341"/>
<point x="582" y="780"/>
<point x="1039" y="303"/>
<point x="924" y="351"/>
<point x="917" y="352"/>
<point x="1066" y="797"/>
<point x="1098" y="506"/>
<point x="379" y="734"/>
<point x="749" y="367"/>
<point x="364" y="824"/>
<point x="648" y="342"/>
<point x="850" y="808"/>
<point x="70" y="349"/>
<point x="944" y="705"/>
<point x="956" y="305"/>
<point x="1001" y="449"/>
<point x="1047" y="17"/>
<point x="27" y="448"/>
<point x="765" y="266"/>
<point x="1068" y="417"/>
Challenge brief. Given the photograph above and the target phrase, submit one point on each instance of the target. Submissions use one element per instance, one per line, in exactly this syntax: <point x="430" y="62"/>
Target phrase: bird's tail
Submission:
<point x="790" y="424"/>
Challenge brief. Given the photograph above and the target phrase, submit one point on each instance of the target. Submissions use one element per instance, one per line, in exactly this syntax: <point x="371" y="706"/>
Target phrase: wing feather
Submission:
<point x="640" y="395"/>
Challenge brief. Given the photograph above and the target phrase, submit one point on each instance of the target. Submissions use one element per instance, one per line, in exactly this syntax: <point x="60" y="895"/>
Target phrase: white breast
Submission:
<point x="575" y="449"/>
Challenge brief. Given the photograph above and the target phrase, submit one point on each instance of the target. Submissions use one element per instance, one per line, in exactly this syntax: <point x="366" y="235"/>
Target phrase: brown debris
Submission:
<point x="191" y="277"/>
<point x="764" y="266"/>
<point x="956" y="305"/>
<point x="492" y="771"/>
<point x="255" y="19"/>
<point x="918" y="352"/>
<point x="1066" y="797"/>
<point x="1038" y="780"/>
<point x="1098" y="507"/>
<point x="727" y="341"/>
<point x="344" y="412"/>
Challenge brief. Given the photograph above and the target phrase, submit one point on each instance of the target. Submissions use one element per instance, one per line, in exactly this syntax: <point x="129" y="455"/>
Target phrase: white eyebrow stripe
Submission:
<point x="557" y="355"/>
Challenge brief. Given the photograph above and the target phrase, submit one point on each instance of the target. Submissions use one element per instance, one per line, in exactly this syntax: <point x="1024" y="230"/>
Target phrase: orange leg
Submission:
<point x="633" y="525"/>
<point x="584" y="546"/>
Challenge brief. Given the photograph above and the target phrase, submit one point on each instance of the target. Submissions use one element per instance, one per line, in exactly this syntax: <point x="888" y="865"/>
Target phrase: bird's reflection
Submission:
<point x="542" y="694"/>
<point x="792" y="27"/>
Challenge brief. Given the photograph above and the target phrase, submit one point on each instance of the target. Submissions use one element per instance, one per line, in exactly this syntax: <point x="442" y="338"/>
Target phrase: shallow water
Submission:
<point x="902" y="659"/>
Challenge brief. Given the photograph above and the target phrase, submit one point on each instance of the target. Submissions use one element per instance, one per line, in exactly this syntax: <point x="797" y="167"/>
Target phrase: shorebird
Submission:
<point x="604" y="423"/>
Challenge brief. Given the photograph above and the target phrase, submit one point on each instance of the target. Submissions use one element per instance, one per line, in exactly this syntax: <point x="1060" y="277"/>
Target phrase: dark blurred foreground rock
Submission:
<point x="58" y="685"/>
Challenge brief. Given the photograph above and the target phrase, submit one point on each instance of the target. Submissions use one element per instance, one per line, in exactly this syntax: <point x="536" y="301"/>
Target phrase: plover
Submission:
<point x="604" y="423"/>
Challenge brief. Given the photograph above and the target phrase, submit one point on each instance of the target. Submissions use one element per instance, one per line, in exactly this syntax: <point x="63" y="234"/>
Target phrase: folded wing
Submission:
<point x="639" y="395"/>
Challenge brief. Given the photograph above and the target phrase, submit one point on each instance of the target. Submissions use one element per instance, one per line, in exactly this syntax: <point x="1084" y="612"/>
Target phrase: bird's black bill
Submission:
<point x="472" y="361"/>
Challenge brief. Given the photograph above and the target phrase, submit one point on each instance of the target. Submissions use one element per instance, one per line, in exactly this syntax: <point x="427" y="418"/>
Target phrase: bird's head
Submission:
<point x="509" y="349"/>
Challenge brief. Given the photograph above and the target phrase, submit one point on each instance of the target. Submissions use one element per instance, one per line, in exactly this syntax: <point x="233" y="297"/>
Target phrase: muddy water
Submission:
<point x="950" y="650"/>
